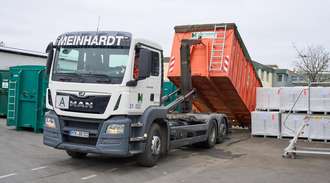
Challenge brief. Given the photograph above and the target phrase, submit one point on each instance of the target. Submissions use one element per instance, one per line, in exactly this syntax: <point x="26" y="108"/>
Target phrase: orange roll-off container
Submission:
<point x="221" y="68"/>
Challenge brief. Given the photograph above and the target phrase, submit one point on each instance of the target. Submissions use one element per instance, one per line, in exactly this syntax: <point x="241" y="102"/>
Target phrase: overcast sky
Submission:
<point x="269" y="28"/>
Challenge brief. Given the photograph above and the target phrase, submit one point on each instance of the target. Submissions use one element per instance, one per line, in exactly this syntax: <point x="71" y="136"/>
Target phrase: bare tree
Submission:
<point x="312" y="62"/>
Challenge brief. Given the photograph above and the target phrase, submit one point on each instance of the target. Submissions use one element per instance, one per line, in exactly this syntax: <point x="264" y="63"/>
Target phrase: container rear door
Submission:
<point x="28" y="97"/>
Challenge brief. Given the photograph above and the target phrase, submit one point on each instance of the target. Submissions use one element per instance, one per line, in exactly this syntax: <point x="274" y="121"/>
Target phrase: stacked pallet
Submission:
<point x="266" y="120"/>
<point x="281" y="111"/>
<point x="266" y="123"/>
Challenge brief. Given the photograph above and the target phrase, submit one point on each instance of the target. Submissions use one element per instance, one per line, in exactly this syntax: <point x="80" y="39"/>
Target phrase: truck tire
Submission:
<point x="222" y="131"/>
<point x="152" y="152"/>
<point x="76" y="155"/>
<point x="212" y="136"/>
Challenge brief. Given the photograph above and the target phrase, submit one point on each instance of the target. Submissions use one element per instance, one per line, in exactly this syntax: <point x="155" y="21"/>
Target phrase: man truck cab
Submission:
<point x="105" y="97"/>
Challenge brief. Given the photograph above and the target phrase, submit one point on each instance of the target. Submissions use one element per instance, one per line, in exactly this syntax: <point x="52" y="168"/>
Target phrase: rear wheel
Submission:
<point x="76" y="155"/>
<point x="222" y="132"/>
<point x="212" y="137"/>
<point x="153" y="148"/>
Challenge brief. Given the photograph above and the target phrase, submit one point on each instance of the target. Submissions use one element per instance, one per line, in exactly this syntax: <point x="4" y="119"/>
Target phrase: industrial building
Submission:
<point x="14" y="56"/>
<point x="265" y="73"/>
<point x="273" y="76"/>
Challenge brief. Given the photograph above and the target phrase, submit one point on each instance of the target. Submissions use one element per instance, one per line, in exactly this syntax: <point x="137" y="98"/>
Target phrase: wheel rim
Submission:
<point x="222" y="129"/>
<point x="155" y="145"/>
<point x="212" y="135"/>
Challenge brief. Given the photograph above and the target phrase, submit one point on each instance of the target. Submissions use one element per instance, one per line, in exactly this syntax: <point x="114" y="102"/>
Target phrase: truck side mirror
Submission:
<point x="50" y="51"/>
<point x="144" y="63"/>
<point x="131" y="83"/>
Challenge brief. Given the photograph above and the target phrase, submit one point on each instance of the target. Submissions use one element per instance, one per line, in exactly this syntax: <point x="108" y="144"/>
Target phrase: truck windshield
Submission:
<point x="90" y="65"/>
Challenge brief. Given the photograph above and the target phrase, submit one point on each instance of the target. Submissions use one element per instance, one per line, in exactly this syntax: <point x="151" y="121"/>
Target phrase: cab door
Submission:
<point x="147" y="72"/>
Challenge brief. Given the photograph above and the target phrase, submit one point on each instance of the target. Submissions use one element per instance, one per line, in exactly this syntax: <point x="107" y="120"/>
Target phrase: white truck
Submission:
<point x="105" y="97"/>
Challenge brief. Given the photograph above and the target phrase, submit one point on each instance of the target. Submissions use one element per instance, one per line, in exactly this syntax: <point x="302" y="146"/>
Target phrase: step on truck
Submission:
<point x="105" y="97"/>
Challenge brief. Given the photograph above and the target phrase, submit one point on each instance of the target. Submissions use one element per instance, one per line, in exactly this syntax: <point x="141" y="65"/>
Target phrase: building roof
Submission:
<point x="274" y="66"/>
<point x="23" y="52"/>
<point x="258" y="65"/>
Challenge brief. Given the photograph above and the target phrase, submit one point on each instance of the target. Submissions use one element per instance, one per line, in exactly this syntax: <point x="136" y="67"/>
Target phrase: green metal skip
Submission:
<point x="26" y="97"/>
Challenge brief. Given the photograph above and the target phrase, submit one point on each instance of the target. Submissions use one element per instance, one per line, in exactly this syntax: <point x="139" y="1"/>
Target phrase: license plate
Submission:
<point x="77" y="133"/>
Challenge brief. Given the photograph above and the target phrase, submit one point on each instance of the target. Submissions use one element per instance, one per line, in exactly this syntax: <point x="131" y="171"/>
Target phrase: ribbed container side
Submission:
<point x="4" y="75"/>
<point x="230" y="89"/>
<point x="26" y="97"/>
<point x="169" y="87"/>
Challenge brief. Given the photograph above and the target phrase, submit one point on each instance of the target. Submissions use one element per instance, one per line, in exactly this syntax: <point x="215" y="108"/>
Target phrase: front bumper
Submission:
<point x="112" y="145"/>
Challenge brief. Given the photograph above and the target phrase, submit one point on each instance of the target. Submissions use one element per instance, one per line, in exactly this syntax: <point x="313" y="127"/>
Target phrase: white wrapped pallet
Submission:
<point x="268" y="98"/>
<point x="320" y="99"/>
<point x="289" y="95"/>
<point x="290" y="124"/>
<point x="274" y="98"/>
<point x="319" y="127"/>
<point x="262" y="98"/>
<point x="265" y="123"/>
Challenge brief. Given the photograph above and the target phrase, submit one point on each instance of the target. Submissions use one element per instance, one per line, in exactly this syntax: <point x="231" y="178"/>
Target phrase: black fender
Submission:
<point x="155" y="114"/>
<point x="150" y="115"/>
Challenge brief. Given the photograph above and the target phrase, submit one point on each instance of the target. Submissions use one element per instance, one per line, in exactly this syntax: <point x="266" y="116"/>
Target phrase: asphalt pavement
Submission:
<point x="24" y="158"/>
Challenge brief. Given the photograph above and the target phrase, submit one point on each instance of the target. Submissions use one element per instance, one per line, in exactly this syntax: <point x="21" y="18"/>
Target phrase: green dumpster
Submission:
<point x="168" y="88"/>
<point x="4" y="74"/>
<point x="26" y="97"/>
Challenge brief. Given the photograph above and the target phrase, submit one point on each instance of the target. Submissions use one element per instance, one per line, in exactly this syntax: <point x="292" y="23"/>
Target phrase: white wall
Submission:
<point x="11" y="59"/>
<point x="266" y="78"/>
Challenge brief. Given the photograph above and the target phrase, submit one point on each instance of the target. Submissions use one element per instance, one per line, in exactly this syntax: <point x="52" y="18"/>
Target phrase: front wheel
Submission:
<point x="153" y="148"/>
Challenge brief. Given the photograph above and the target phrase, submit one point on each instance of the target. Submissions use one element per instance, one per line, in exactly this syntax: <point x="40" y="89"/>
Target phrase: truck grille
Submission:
<point x="78" y="140"/>
<point x="78" y="124"/>
<point x="92" y="126"/>
<point x="99" y="103"/>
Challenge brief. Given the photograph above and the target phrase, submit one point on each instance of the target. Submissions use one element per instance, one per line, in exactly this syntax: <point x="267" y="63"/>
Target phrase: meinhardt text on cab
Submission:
<point x="90" y="40"/>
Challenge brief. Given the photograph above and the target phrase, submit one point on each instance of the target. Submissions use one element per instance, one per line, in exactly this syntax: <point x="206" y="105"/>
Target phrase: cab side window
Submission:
<point x="146" y="63"/>
<point x="136" y="64"/>
<point x="155" y="63"/>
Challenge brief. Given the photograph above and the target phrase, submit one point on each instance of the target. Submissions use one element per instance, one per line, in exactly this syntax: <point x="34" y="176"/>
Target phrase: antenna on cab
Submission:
<point x="98" y="24"/>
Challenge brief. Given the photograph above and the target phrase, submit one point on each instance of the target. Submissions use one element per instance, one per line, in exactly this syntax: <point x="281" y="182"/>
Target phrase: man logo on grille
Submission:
<point x="81" y="94"/>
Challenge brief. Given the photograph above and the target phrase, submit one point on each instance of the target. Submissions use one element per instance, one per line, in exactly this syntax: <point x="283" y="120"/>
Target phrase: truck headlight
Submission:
<point x="50" y="122"/>
<point x="115" y="129"/>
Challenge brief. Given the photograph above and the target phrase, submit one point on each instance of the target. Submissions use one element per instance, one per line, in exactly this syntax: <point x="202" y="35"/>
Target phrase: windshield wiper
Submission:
<point x="65" y="79"/>
<point x="102" y="78"/>
<point x="68" y="76"/>
<point x="105" y="78"/>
